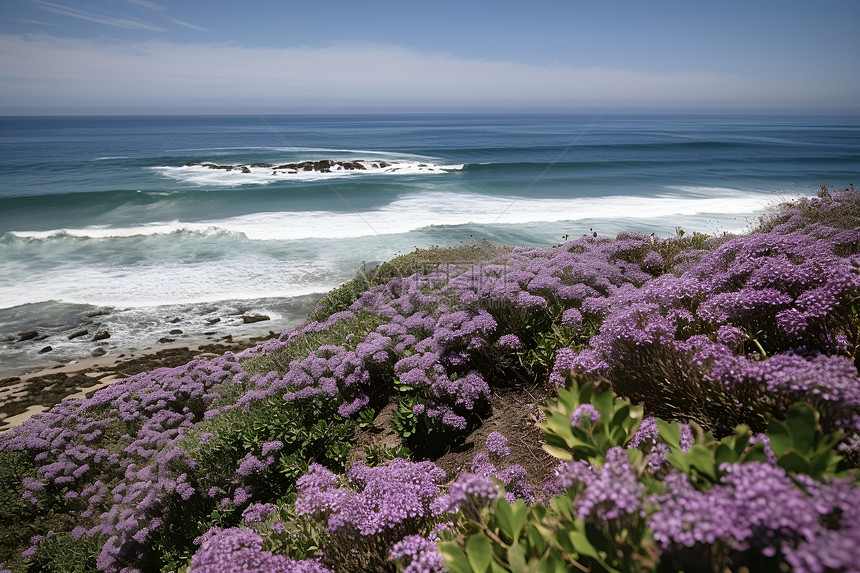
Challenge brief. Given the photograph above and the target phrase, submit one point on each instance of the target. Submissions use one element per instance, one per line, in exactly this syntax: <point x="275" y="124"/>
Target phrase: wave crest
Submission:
<point x="233" y="174"/>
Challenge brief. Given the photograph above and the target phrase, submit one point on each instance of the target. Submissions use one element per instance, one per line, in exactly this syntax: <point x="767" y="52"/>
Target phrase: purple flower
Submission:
<point x="238" y="550"/>
<point x="269" y="447"/>
<point x="469" y="493"/>
<point x="646" y="434"/>
<point x="686" y="440"/>
<point x="572" y="318"/>
<point x="584" y="412"/>
<point x="511" y="341"/>
<point x="610" y="492"/>
<point x="257" y="512"/>
<point x="497" y="444"/>
<point x="419" y="554"/>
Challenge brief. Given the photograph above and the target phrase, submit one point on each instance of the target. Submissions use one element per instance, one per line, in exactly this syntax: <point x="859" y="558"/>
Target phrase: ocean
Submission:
<point x="178" y="227"/>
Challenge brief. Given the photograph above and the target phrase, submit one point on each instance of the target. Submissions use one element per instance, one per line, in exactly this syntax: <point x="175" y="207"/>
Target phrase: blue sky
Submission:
<point x="217" y="56"/>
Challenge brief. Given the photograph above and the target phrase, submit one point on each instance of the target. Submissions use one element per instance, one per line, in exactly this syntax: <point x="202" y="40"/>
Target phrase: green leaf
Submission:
<point x="621" y="415"/>
<point x="552" y="563"/>
<point x="504" y="513"/>
<point x="558" y="452"/>
<point x="703" y="460"/>
<point x="802" y="423"/>
<point x="604" y="403"/>
<point x="454" y="558"/>
<point x="516" y="558"/>
<point x="536" y="539"/>
<point x="670" y="432"/>
<point x="581" y="544"/>
<point x="780" y="438"/>
<point x="724" y="454"/>
<point x="793" y="462"/>
<point x="519" y="512"/>
<point x="479" y="552"/>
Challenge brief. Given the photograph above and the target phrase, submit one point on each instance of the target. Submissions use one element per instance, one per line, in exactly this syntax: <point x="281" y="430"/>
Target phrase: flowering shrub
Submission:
<point x="371" y="510"/>
<point x="761" y="322"/>
<point x="753" y="339"/>
<point x="728" y="504"/>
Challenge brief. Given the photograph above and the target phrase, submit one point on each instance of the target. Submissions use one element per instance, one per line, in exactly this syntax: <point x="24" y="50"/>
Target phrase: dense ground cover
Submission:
<point x="707" y="418"/>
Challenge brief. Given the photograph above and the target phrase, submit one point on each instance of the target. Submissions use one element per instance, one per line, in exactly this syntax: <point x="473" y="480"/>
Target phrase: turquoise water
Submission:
<point x="102" y="214"/>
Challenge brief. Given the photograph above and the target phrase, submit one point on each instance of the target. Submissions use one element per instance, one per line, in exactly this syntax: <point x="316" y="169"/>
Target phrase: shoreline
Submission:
<point x="22" y="396"/>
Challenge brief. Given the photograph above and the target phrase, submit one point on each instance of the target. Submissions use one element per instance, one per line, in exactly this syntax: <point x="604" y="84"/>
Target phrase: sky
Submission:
<point x="279" y="56"/>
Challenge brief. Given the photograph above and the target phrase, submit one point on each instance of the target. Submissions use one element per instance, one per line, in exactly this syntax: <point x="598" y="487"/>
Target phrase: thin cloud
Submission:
<point x="150" y="5"/>
<point x="98" y="18"/>
<point x="37" y="22"/>
<point x="187" y="25"/>
<point x="160" y="75"/>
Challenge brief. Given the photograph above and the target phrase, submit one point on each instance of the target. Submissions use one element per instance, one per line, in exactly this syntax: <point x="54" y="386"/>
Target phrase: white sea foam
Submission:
<point x="88" y="282"/>
<point x="434" y="208"/>
<point x="247" y="257"/>
<point x="201" y="174"/>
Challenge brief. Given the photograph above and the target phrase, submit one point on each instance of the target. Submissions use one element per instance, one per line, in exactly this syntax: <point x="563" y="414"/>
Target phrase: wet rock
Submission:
<point x="78" y="334"/>
<point x="175" y="331"/>
<point x="101" y="335"/>
<point x="46" y="349"/>
<point x="29" y="335"/>
<point x="245" y="169"/>
<point x="250" y="319"/>
<point x="175" y="320"/>
<point x="165" y="340"/>
<point x="98" y="352"/>
<point x="213" y="321"/>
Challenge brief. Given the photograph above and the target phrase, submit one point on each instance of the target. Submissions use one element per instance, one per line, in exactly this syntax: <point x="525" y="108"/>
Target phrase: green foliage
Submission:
<point x="671" y="247"/>
<point x="842" y="215"/>
<point x="62" y="554"/>
<point x="618" y="422"/>
<point x="515" y="537"/>
<point x="546" y="343"/>
<point x="380" y="454"/>
<point x="286" y="533"/>
<point x="418" y="261"/>
<point x="340" y="334"/>
<point x="800" y="445"/>
<point x="549" y="537"/>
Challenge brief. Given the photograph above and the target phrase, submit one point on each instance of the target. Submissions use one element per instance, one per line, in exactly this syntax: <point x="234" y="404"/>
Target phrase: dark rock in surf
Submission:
<point x="78" y="334"/>
<point x="46" y="349"/>
<point x="101" y="335"/>
<point x="29" y="335"/>
<point x="98" y="352"/>
<point x="249" y="319"/>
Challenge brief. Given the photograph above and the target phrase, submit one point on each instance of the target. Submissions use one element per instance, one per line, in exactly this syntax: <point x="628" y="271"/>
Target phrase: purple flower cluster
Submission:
<point x="765" y="319"/>
<point x="757" y="506"/>
<point x="374" y="499"/>
<point x="115" y="458"/>
<point x="497" y="444"/>
<point x="514" y="477"/>
<point x="238" y="550"/>
<point x="611" y="492"/>
<point x="584" y="414"/>
<point x="419" y="554"/>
